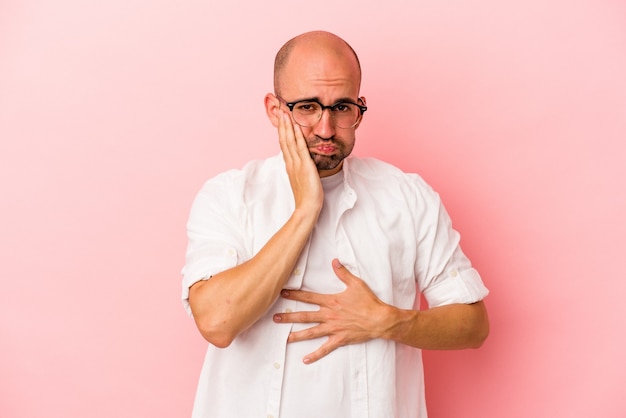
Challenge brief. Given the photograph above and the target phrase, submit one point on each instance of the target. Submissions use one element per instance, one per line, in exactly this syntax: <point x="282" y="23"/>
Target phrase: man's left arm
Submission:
<point x="357" y="315"/>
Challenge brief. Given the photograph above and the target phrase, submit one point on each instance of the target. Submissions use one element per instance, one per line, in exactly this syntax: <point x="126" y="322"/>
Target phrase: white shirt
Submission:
<point x="319" y="277"/>
<point x="392" y="231"/>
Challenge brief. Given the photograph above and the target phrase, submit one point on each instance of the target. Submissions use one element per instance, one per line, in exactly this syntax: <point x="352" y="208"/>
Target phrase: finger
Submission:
<point x="307" y="334"/>
<point x="301" y="144"/>
<point x="342" y="272"/>
<point x="323" y="351"/>
<point x="285" y="137"/>
<point x="304" y="296"/>
<point x="302" y="317"/>
<point x="299" y="148"/>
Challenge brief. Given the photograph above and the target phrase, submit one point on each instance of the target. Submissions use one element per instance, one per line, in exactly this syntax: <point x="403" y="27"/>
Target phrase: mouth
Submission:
<point x="324" y="149"/>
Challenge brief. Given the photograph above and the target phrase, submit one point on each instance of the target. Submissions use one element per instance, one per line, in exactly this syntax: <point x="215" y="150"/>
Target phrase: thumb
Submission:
<point x="341" y="272"/>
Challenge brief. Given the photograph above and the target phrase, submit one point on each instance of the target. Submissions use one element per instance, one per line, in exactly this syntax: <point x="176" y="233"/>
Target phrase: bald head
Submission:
<point x="311" y="46"/>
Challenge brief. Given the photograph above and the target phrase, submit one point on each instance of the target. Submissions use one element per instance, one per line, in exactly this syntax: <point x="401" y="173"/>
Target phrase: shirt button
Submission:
<point x="277" y="365"/>
<point x="297" y="272"/>
<point x="231" y="252"/>
<point x="288" y="310"/>
<point x="454" y="273"/>
<point x="270" y="416"/>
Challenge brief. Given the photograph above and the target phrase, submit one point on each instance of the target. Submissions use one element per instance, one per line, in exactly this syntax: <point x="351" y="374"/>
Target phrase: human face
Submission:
<point x="328" y="76"/>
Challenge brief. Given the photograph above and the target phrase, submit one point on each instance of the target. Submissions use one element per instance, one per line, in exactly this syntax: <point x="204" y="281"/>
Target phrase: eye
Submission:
<point x="342" y="108"/>
<point x="307" y="107"/>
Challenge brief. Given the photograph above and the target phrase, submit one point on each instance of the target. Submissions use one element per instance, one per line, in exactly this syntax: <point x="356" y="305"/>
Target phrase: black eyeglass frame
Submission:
<point x="362" y="108"/>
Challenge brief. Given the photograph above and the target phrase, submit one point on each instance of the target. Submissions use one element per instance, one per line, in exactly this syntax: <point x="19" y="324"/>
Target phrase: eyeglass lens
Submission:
<point x="345" y="115"/>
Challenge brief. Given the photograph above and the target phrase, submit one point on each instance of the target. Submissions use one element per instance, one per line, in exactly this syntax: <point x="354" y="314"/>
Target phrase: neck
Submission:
<point x="326" y="173"/>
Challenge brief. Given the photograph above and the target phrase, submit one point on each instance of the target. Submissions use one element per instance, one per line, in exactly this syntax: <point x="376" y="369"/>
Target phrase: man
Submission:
<point x="304" y="270"/>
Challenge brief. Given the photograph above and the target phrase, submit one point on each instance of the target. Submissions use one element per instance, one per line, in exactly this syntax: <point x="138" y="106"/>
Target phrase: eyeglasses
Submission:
<point x="307" y="113"/>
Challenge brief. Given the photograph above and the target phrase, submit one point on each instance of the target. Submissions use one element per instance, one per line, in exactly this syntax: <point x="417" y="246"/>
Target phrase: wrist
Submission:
<point x="306" y="215"/>
<point x="398" y="322"/>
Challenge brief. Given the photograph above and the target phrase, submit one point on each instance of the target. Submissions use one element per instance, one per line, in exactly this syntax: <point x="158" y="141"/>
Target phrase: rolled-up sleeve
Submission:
<point x="459" y="283"/>
<point x="445" y="274"/>
<point x="215" y="234"/>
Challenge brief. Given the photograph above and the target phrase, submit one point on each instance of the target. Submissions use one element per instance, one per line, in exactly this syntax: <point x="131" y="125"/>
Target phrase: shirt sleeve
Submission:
<point x="215" y="231"/>
<point x="459" y="283"/>
<point x="445" y="275"/>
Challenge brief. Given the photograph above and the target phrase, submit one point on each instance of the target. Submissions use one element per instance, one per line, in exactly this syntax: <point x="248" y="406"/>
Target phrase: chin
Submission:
<point x="324" y="162"/>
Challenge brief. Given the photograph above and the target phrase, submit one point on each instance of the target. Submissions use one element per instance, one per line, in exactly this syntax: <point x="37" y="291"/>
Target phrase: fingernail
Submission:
<point x="284" y="293"/>
<point x="306" y="360"/>
<point x="277" y="318"/>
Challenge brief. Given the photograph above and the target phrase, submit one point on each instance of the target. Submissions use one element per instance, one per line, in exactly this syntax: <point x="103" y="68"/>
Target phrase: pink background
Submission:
<point x="113" y="114"/>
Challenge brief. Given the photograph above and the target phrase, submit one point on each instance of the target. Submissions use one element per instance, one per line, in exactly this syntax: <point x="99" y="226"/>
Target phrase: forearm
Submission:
<point x="231" y="301"/>
<point x="448" y="327"/>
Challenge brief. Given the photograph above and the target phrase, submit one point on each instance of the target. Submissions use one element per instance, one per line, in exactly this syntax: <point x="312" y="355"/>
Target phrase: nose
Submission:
<point x="325" y="127"/>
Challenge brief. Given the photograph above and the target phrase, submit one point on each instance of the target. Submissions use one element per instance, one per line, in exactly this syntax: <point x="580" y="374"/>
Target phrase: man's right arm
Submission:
<point x="231" y="301"/>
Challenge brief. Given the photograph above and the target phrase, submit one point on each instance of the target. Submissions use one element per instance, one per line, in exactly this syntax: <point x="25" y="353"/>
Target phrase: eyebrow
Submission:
<point x="317" y="99"/>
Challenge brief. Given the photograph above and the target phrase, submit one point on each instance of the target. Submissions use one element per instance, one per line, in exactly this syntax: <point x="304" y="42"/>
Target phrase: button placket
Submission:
<point x="277" y="367"/>
<point x="280" y="346"/>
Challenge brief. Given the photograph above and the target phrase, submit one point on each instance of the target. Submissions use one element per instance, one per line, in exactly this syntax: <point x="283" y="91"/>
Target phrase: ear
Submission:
<point x="272" y="104"/>
<point x="364" y="102"/>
